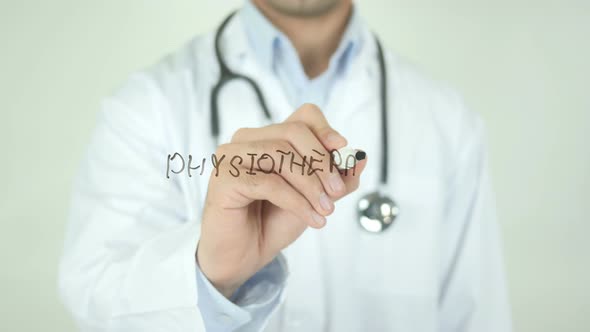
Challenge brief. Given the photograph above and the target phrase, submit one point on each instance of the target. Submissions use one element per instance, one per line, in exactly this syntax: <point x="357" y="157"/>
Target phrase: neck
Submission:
<point x="314" y="37"/>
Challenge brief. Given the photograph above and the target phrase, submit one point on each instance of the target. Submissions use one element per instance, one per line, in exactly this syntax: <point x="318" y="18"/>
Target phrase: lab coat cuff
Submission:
<point x="251" y="305"/>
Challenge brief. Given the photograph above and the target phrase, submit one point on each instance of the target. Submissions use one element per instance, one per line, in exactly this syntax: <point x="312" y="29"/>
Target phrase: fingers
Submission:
<point x="307" y="190"/>
<point x="275" y="189"/>
<point x="312" y="116"/>
<point x="277" y="157"/>
<point x="300" y="136"/>
<point x="353" y="176"/>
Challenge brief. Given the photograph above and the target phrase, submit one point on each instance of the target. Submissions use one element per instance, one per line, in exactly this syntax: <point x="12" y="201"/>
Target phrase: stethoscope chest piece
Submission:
<point x="376" y="212"/>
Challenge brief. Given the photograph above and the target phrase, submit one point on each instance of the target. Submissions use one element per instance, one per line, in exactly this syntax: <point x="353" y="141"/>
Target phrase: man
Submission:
<point x="165" y="236"/>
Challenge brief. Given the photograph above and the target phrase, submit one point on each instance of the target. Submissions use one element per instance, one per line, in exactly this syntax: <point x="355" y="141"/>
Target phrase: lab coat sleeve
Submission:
<point x="251" y="305"/>
<point x="129" y="256"/>
<point x="473" y="295"/>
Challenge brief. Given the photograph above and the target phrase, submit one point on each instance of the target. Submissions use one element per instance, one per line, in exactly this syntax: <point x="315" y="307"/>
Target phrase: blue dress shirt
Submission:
<point x="275" y="53"/>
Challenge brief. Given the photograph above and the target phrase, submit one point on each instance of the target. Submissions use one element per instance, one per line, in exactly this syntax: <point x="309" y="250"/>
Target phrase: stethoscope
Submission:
<point x="376" y="211"/>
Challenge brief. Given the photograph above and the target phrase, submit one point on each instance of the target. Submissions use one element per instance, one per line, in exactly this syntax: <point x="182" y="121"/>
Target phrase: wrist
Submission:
<point x="227" y="286"/>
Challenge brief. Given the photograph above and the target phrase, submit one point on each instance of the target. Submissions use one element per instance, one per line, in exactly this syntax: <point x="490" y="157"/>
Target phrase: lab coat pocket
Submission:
<point x="402" y="260"/>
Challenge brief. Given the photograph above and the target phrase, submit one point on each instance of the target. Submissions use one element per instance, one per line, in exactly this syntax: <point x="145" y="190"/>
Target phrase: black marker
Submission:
<point x="346" y="158"/>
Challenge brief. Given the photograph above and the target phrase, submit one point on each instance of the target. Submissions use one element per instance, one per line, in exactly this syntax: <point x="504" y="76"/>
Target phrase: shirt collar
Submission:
<point x="265" y="39"/>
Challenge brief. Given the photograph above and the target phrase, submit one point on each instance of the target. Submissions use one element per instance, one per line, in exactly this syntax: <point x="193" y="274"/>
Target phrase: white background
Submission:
<point x="522" y="64"/>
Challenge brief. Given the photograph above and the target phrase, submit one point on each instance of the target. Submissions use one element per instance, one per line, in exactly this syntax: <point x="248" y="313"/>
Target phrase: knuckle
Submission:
<point x="319" y="185"/>
<point x="273" y="183"/>
<point x="295" y="129"/>
<point x="255" y="146"/>
<point x="239" y="134"/>
<point x="222" y="149"/>
<point x="270" y="146"/>
<point x="275" y="180"/>
<point x="282" y="145"/>
<point x="313" y="184"/>
<point x="303" y="207"/>
<point x="309" y="107"/>
<point x="250" y="181"/>
<point x="300" y="203"/>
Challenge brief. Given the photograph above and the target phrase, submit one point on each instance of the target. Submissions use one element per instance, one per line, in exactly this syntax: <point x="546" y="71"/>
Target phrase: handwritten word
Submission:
<point x="252" y="162"/>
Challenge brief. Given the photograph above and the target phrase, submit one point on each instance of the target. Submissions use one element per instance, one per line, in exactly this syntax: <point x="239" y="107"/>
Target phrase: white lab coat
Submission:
<point x="128" y="262"/>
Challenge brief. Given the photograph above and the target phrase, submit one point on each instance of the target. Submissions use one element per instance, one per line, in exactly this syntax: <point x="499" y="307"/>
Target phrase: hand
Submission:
<point x="249" y="219"/>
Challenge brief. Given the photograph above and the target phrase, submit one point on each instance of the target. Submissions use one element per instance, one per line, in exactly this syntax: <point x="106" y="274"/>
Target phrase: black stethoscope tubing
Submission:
<point x="227" y="75"/>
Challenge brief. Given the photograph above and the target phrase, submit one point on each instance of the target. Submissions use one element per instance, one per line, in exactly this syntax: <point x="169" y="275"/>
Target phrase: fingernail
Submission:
<point x="336" y="183"/>
<point x="326" y="202"/>
<point x="319" y="220"/>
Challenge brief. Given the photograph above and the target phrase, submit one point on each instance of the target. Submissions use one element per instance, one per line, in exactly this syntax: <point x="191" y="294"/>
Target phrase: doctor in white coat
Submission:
<point x="150" y="248"/>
